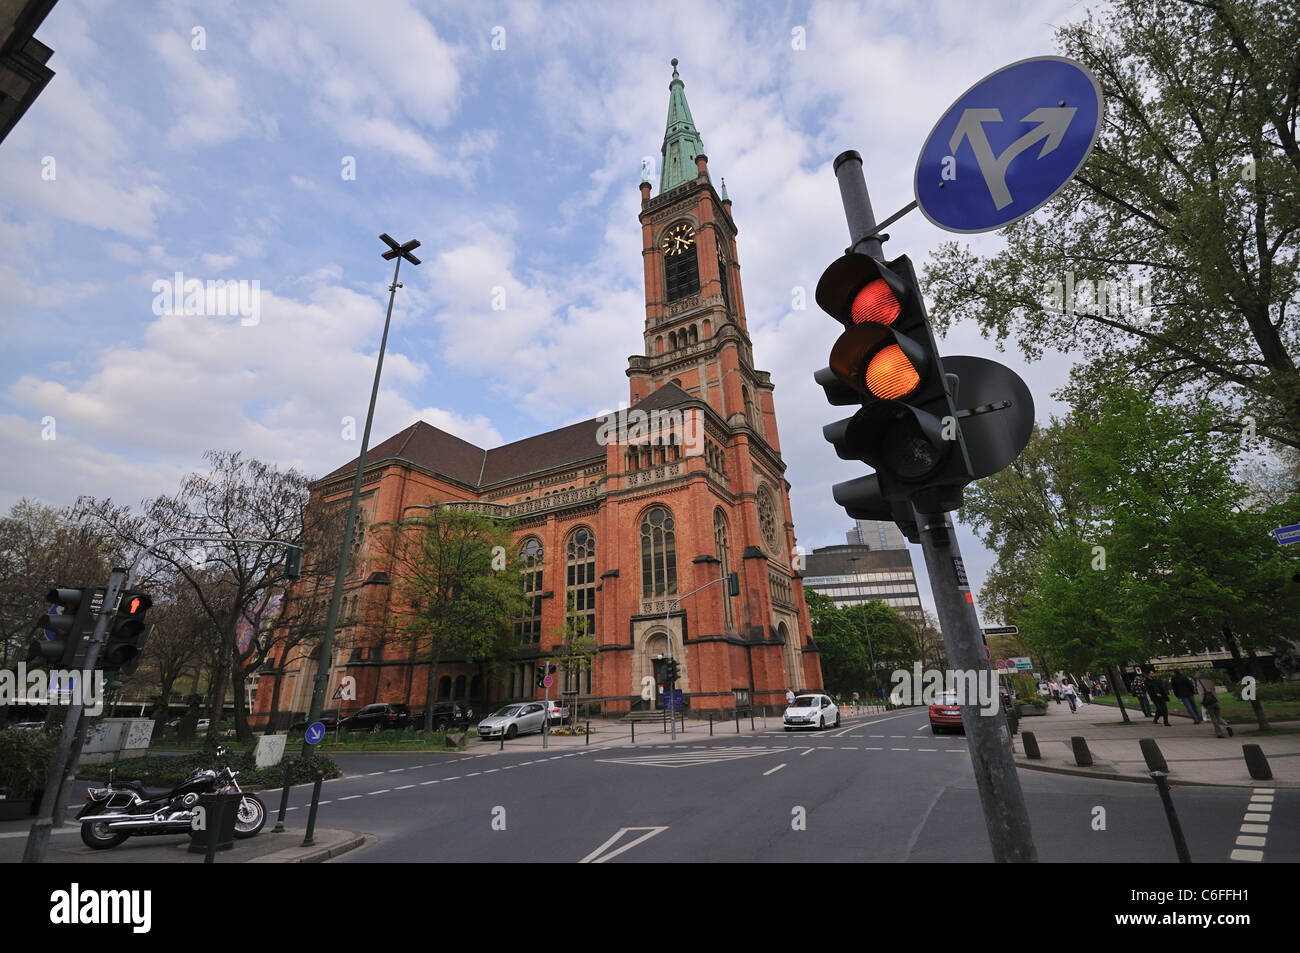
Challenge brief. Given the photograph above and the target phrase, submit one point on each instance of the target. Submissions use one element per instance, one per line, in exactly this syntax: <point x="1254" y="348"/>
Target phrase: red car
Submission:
<point x="944" y="714"/>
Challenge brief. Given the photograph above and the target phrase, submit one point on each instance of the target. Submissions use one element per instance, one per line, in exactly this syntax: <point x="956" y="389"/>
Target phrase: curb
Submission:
<point x="312" y="855"/>
<point x="1099" y="775"/>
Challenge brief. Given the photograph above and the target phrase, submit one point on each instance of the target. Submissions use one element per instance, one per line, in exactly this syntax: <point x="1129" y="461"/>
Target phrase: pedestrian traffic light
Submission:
<point x="541" y="676"/>
<point x="671" y="670"/>
<point x="886" y="360"/>
<point x="65" y="626"/>
<point x="125" y="642"/>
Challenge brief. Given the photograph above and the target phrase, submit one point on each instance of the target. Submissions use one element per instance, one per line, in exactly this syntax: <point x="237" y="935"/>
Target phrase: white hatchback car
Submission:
<point x="812" y="710"/>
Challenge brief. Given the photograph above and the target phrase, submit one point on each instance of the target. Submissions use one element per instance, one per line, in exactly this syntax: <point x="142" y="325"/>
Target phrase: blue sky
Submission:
<point x="213" y="140"/>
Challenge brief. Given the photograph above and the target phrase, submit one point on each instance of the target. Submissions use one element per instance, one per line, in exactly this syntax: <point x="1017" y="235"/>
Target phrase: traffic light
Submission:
<point x="671" y="670"/>
<point x="70" y="618"/>
<point x="121" y="652"/>
<point x="293" y="562"/>
<point x="733" y="584"/>
<point x="886" y="360"/>
<point x="541" y="676"/>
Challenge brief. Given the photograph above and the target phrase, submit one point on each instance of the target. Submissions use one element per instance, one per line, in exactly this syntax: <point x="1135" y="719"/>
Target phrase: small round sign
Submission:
<point x="548" y="681"/>
<point x="315" y="732"/>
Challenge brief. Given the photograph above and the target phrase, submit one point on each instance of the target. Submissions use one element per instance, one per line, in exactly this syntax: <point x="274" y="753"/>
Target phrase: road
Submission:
<point x="880" y="788"/>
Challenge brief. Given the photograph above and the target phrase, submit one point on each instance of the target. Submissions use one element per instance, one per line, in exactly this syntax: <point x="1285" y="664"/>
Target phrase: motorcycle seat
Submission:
<point x="148" y="794"/>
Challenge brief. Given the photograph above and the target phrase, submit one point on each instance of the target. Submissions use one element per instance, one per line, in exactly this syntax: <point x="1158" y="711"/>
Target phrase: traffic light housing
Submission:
<point x="293" y="562"/>
<point x="733" y="584"/>
<point x="886" y="361"/>
<point x="671" y="670"/>
<point x="70" y="619"/>
<point x="541" y="676"/>
<point x="126" y="639"/>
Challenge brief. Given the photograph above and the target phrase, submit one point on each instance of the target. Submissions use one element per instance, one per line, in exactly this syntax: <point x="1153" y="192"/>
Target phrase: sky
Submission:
<point x="272" y="142"/>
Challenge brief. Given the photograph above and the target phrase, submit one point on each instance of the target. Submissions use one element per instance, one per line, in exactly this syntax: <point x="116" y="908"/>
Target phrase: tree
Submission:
<point x="239" y="499"/>
<point x="859" y="644"/>
<point x="450" y="567"/>
<point x="43" y="547"/>
<point x="577" y="649"/>
<point x="1170" y="260"/>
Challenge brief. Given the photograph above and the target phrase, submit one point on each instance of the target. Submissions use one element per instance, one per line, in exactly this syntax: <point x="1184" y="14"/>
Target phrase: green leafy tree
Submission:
<point x="1170" y="260"/>
<point x="450" y="567"/>
<point x="860" y="645"/>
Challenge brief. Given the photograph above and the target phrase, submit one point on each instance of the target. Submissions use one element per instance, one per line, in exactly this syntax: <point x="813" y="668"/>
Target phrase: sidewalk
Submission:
<point x="1194" y="755"/>
<point x="266" y="848"/>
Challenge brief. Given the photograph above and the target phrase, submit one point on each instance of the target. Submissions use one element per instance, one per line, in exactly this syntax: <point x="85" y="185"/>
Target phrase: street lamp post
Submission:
<point x="395" y="254"/>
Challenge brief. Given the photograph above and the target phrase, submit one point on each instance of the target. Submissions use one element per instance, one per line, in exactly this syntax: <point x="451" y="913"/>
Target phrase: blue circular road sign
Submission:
<point x="315" y="732"/>
<point x="1008" y="144"/>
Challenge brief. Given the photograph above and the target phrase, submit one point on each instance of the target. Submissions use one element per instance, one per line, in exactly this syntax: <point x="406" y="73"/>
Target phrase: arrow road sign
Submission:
<point x="315" y="732"/>
<point x="1008" y="144"/>
<point x="1288" y="534"/>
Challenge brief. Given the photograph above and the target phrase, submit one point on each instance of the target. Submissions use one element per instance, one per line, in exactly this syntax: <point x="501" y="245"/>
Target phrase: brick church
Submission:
<point x="612" y="521"/>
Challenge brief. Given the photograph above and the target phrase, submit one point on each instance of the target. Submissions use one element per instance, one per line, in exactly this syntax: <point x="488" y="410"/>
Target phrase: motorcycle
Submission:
<point x="127" y="808"/>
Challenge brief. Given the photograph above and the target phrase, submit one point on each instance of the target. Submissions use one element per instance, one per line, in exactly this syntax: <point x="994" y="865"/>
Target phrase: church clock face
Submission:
<point x="678" y="239"/>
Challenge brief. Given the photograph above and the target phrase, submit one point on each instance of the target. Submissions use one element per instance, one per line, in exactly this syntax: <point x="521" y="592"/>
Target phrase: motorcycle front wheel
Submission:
<point x="96" y="835"/>
<point x="251" y="817"/>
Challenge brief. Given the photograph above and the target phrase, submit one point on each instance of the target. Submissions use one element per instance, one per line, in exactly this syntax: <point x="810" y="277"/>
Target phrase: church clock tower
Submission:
<point x="695" y="331"/>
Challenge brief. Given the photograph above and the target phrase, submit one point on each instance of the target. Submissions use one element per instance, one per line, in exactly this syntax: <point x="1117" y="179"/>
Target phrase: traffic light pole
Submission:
<point x="55" y="781"/>
<point x="989" y="740"/>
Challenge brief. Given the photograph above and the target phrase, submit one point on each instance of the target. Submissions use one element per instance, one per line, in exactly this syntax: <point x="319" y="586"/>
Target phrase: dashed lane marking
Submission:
<point x="350" y="797"/>
<point x="773" y="770"/>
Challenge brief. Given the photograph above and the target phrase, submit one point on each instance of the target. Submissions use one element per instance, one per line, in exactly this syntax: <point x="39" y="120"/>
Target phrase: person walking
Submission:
<point x="1210" y="702"/>
<point x="1067" y="689"/>
<point x="1054" y="687"/>
<point x="1185" y="692"/>
<point x="789" y="698"/>
<point x="1159" y="696"/>
<point x="1085" y="690"/>
<point x="1139" y="687"/>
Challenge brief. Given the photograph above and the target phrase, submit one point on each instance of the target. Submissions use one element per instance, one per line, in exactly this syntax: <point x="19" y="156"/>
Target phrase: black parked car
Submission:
<point x="377" y="718"/>
<point x="445" y="715"/>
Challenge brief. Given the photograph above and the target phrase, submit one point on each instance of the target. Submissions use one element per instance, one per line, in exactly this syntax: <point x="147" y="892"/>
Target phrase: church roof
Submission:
<point x="448" y="455"/>
<point x="682" y="141"/>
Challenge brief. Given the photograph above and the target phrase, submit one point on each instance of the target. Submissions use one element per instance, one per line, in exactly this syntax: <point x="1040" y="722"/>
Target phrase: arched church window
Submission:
<point x="580" y="569"/>
<point x="723" y="552"/>
<point x="528" y="627"/>
<point x="658" y="553"/>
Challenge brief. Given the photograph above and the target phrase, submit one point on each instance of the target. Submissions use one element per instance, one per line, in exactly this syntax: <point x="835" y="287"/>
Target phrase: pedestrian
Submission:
<point x="1139" y="686"/>
<point x="1185" y="691"/>
<point x="1054" y="687"/>
<point x="789" y="698"/>
<point x="1159" y="696"/>
<point x="1210" y="702"/>
<point x="1085" y="690"/>
<point x="1067" y="689"/>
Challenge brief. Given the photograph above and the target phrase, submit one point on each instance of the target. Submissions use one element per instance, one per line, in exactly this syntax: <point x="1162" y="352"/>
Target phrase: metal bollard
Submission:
<point x="634" y="732"/>
<point x="284" y="796"/>
<point x="503" y="740"/>
<point x="1180" y="845"/>
<point x="1151" y="753"/>
<point x="308" y="841"/>
<point x="1031" y="745"/>
<point x="1082" y="756"/>
<point x="751" y="719"/>
<point x="588" y="741"/>
<point x="1256" y="763"/>
<point x="710" y="724"/>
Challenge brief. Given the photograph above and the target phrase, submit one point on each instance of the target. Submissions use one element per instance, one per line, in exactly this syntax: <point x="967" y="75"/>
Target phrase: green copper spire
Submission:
<point x="681" y="139"/>
<point x="724" y="191"/>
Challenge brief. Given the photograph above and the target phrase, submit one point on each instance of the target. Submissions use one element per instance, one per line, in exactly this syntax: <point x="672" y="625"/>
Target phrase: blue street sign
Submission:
<point x="315" y="732"/>
<point x="1008" y="144"/>
<point x="1288" y="534"/>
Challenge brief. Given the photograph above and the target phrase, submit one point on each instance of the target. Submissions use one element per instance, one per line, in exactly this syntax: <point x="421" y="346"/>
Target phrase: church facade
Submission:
<point x="620" y="518"/>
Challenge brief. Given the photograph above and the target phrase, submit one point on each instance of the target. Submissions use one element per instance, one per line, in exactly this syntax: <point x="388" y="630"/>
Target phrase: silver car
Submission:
<point x="513" y="720"/>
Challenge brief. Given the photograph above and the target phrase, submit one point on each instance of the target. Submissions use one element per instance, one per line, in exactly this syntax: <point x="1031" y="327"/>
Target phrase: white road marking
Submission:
<point x="773" y="770"/>
<point x="395" y="770"/>
<point x="1240" y="854"/>
<point x="1254" y="828"/>
<point x="1257" y="817"/>
<point x="473" y="774"/>
<point x="927" y="749"/>
<point x="900" y="749"/>
<point x="873" y="749"/>
<point x="595" y="857"/>
<point x="380" y="791"/>
<point x="373" y="773"/>
<point x="404" y="787"/>
<point x="350" y="797"/>
<point x="435" y="781"/>
<point x="491" y="770"/>
<point x="806" y="753"/>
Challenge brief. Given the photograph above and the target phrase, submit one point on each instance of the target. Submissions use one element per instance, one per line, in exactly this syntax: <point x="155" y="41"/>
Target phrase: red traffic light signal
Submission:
<point x="887" y="361"/>
<point x="127" y="638"/>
